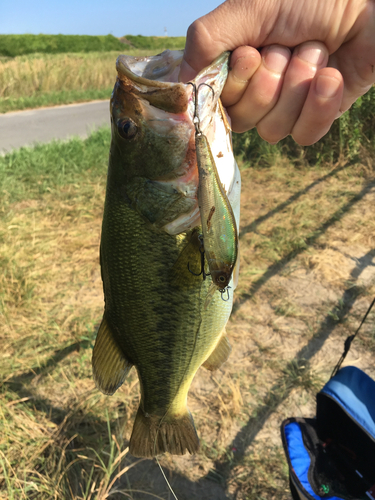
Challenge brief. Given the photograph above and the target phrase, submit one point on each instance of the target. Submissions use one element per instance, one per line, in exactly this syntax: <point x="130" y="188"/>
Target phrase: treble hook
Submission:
<point x="201" y="249"/>
<point x="196" y="120"/>
<point x="226" y="289"/>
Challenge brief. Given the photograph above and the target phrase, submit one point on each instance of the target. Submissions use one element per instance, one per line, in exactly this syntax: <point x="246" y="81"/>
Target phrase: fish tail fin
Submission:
<point x="154" y="435"/>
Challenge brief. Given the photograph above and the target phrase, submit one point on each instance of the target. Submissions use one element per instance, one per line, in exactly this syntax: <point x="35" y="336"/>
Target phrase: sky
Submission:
<point x="102" y="17"/>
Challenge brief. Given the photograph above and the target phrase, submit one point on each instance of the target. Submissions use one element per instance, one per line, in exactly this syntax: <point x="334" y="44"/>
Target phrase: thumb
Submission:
<point x="232" y="24"/>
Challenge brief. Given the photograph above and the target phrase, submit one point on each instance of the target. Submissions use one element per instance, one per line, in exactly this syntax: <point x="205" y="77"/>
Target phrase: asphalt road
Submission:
<point x="26" y="128"/>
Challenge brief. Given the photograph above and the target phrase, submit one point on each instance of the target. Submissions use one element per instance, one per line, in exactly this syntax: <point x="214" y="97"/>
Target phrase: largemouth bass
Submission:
<point x="155" y="317"/>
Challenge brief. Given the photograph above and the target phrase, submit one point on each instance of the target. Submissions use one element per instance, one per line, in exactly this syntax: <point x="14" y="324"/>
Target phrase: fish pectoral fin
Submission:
<point x="219" y="355"/>
<point x="109" y="364"/>
<point x="154" y="435"/>
<point x="158" y="202"/>
<point x="189" y="258"/>
<point x="210" y="293"/>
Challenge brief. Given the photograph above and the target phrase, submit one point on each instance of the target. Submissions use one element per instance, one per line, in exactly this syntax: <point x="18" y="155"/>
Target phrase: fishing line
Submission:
<point x="165" y="477"/>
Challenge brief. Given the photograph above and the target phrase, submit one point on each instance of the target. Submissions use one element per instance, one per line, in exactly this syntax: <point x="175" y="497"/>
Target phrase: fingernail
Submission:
<point x="276" y="58"/>
<point x="327" y="86"/>
<point x="187" y="73"/>
<point x="311" y="54"/>
<point x="240" y="70"/>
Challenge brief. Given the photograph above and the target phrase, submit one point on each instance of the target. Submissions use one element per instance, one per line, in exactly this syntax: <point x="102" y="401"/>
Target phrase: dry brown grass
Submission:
<point x="307" y="272"/>
<point x="25" y="76"/>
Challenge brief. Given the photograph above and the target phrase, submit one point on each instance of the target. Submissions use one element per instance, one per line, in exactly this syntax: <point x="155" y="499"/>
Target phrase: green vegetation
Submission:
<point x="156" y="42"/>
<point x="48" y="79"/>
<point x="17" y="45"/>
<point x="46" y="168"/>
<point x="305" y="232"/>
<point x="44" y="80"/>
<point x="349" y="134"/>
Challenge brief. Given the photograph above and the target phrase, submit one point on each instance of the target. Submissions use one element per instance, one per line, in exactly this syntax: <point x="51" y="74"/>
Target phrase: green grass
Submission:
<point x="17" y="45"/>
<point x="29" y="173"/>
<point x="156" y="42"/>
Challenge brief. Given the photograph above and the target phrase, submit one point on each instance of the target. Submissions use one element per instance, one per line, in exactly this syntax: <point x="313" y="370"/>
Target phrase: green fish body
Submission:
<point x="154" y="317"/>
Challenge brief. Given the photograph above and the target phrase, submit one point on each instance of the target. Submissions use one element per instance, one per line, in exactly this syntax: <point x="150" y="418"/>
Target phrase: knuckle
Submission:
<point x="197" y="33"/>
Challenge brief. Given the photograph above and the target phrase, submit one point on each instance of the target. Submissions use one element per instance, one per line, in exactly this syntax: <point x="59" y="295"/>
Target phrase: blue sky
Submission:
<point x="100" y="17"/>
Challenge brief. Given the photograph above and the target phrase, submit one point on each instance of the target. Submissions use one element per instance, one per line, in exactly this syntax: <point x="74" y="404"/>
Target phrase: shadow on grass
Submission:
<point x="50" y="364"/>
<point x="83" y="429"/>
<point x="253" y="225"/>
<point x="279" y="265"/>
<point x="20" y="383"/>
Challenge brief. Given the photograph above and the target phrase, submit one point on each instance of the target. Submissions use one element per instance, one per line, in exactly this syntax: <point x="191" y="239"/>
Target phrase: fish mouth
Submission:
<point x="155" y="79"/>
<point x="164" y="101"/>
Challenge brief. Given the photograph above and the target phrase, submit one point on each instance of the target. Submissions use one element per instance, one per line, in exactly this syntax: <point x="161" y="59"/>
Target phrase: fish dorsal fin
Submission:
<point x="219" y="355"/>
<point x="109" y="364"/>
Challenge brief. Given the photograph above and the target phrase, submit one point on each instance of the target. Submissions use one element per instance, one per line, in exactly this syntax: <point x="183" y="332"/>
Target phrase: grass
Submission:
<point x="45" y="192"/>
<point x="36" y="80"/>
<point x="348" y="137"/>
<point x="40" y="100"/>
<point x="15" y="45"/>
<point x="156" y="42"/>
<point x="307" y="277"/>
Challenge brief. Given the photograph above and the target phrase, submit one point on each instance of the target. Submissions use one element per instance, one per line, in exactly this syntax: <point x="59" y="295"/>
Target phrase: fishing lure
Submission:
<point x="219" y="226"/>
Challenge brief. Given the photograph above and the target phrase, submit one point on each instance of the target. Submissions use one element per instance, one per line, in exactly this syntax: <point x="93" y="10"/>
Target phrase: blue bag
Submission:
<point x="332" y="456"/>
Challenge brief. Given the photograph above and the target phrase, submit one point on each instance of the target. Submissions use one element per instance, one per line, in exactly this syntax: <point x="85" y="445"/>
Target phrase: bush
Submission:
<point x="156" y="42"/>
<point x="353" y="131"/>
<point x="16" y="45"/>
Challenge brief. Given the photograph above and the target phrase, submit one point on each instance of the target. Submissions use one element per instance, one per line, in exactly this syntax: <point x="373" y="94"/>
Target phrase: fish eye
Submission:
<point x="127" y="128"/>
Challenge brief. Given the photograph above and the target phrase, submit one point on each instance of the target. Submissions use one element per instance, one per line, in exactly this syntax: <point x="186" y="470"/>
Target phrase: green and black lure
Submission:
<point x="219" y="226"/>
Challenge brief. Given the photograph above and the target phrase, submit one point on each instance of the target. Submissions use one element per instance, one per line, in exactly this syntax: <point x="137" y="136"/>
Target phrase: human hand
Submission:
<point x="279" y="91"/>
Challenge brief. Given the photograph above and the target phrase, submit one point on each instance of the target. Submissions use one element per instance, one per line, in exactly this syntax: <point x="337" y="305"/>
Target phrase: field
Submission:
<point x="45" y="70"/>
<point x="49" y="79"/>
<point x="307" y="277"/>
<point x="16" y="45"/>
